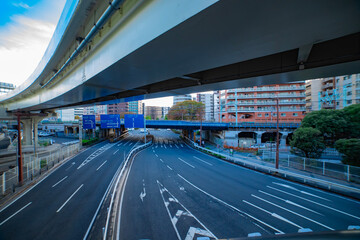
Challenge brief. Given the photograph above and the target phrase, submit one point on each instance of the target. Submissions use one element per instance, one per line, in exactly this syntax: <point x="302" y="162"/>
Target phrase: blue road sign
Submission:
<point x="134" y="120"/>
<point x="110" y="121"/>
<point x="89" y="122"/>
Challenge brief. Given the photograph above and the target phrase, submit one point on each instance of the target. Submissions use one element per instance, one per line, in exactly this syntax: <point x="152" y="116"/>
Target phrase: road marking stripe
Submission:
<point x="345" y="213"/>
<point x="59" y="181"/>
<point x="15" y="213"/>
<point x="231" y="206"/>
<point x="186" y="162"/>
<point x="169" y="167"/>
<point x="101" y="165"/>
<point x="290" y="202"/>
<point x="120" y="144"/>
<point x="115" y="152"/>
<point x="293" y="212"/>
<point x="161" y="160"/>
<point x="176" y="145"/>
<point x="303" y="192"/>
<point x="69" y="198"/>
<point x="203" y="161"/>
<point x="275" y="215"/>
<point x="156" y="155"/>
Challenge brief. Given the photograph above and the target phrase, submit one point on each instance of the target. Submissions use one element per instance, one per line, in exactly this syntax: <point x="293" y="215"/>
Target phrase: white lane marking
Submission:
<point x="290" y="202"/>
<point x="203" y="161"/>
<point x="120" y="144"/>
<point x="323" y="192"/>
<point x="69" y="198"/>
<point x="130" y="144"/>
<point x="143" y="194"/>
<point x="153" y="151"/>
<point x="303" y="192"/>
<point x="192" y="231"/>
<point x="176" y="145"/>
<point x="125" y="144"/>
<point x="275" y="215"/>
<point x="186" y="162"/>
<point x="101" y="165"/>
<point x="156" y="155"/>
<point x="165" y="146"/>
<point x="59" y="181"/>
<point x="15" y="213"/>
<point x="115" y="152"/>
<point x="170" y="145"/>
<point x="188" y="213"/>
<point x="339" y="211"/>
<point x="161" y="160"/>
<point x="309" y="219"/>
<point x="72" y="164"/>
<point x="231" y="206"/>
<point x="181" y="145"/>
<point x="169" y="167"/>
<point x="96" y="154"/>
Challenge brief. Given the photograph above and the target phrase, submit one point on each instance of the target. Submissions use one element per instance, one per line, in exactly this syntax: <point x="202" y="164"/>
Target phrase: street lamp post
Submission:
<point x="277" y="134"/>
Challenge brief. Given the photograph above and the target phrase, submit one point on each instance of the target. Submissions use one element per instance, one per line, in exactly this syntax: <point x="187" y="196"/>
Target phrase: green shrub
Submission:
<point x="350" y="148"/>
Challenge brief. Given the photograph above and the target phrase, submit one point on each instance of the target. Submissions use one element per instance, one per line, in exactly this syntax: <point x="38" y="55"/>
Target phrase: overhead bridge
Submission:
<point x="187" y="125"/>
<point x="136" y="49"/>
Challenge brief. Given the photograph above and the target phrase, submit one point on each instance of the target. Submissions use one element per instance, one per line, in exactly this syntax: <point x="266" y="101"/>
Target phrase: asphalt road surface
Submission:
<point x="175" y="192"/>
<point x="63" y="205"/>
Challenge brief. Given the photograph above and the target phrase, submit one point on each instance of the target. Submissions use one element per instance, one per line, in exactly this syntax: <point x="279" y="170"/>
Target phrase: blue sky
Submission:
<point x="26" y="28"/>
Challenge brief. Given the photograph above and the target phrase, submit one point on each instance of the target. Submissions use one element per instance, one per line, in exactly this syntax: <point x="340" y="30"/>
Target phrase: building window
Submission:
<point x="348" y="101"/>
<point x="283" y="114"/>
<point x="259" y="115"/>
<point x="295" y="114"/>
<point x="266" y="114"/>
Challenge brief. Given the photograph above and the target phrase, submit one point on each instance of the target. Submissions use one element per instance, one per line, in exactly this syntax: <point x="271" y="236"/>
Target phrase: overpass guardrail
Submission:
<point x="320" y="183"/>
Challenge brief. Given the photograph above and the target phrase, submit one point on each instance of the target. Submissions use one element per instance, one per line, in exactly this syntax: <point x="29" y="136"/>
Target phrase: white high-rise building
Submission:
<point x="208" y="99"/>
<point x="181" y="98"/>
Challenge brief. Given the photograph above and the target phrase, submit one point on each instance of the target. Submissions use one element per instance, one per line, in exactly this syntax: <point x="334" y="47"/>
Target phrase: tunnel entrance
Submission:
<point x="269" y="137"/>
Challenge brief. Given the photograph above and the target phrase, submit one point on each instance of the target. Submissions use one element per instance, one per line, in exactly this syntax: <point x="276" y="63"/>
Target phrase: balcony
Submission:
<point x="265" y="109"/>
<point x="267" y="89"/>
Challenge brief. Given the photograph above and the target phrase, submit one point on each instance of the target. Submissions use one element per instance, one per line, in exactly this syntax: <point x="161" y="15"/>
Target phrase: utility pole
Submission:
<point x="81" y="131"/>
<point x="277" y="133"/>
<point x="201" y="128"/>
<point x="144" y="123"/>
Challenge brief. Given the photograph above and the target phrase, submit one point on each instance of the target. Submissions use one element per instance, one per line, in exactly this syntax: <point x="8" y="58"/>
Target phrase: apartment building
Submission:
<point x="333" y="92"/>
<point x="258" y="104"/>
<point x="181" y="98"/>
<point x="208" y="99"/>
<point x="154" y="112"/>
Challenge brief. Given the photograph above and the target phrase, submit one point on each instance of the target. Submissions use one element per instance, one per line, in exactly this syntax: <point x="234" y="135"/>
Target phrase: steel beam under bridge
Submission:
<point x="175" y="124"/>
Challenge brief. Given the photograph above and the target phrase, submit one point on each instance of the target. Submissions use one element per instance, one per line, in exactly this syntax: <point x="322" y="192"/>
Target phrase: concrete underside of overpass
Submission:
<point x="224" y="45"/>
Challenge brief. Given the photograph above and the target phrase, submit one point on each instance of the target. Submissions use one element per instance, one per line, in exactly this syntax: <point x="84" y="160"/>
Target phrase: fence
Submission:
<point x="34" y="166"/>
<point x="325" y="168"/>
<point x="261" y="166"/>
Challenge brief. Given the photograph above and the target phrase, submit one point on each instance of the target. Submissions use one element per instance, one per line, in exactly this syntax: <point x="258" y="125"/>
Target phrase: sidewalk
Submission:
<point x="258" y="160"/>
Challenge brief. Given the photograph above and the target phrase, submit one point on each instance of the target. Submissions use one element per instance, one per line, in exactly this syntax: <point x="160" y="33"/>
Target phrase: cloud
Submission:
<point x="21" y="5"/>
<point x="24" y="31"/>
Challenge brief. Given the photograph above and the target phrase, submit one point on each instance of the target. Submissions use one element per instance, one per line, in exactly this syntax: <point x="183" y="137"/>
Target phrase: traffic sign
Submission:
<point x="110" y="121"/>
<point x="134" y="120"/>
<point x="89" y="122"/>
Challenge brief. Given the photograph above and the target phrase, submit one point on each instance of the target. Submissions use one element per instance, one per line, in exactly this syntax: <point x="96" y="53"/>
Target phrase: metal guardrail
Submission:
<point x="336" y="187"/>
<point x="34" y="166"/>
<point x="123" y="167"/>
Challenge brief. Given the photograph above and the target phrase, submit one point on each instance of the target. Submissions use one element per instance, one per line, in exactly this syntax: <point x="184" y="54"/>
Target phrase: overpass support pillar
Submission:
<point x="27" y="131"/>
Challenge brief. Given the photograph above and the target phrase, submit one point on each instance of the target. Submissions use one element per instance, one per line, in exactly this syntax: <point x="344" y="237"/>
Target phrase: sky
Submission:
<point x="26" y="28"/>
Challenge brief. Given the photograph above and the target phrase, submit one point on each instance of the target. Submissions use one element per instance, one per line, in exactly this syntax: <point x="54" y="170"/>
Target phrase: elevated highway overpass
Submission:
<point x="134" y="49"/>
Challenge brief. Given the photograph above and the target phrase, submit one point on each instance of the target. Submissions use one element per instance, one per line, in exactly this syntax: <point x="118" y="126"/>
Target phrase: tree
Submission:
<point x="187" y="110"/>
<point x="148" y="117"/>
<point x="333" y="124"/>
<point x="353" y="114"/>
<point x="309" y="141"/>
<point x="351" y="150"/>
